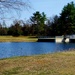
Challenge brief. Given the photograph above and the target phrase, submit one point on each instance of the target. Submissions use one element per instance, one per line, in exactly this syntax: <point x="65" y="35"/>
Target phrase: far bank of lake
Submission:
<point x="18" y="39"/>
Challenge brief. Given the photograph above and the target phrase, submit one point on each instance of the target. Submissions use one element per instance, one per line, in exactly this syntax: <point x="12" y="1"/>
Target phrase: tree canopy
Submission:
<point x="67" y="19"/>
<point x="39" y="25"/>
<point x="38" y="20"/>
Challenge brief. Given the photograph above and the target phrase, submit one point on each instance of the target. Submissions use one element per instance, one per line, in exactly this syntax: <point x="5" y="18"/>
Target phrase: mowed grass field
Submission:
<point x="18" y="39"/>
<point x="62" y="63"/>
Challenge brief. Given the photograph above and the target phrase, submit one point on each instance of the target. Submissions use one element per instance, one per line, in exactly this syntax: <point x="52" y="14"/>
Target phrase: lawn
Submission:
<point x="18" y="39"/>
<point x="62" y="63"/>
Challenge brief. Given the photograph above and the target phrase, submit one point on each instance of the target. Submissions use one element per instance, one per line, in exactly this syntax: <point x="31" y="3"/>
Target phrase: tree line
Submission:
<point x="40" y="25"/>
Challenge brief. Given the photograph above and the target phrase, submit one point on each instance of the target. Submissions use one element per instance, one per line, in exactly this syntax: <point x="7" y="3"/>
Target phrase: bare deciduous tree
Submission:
<point x="7" y="6"/>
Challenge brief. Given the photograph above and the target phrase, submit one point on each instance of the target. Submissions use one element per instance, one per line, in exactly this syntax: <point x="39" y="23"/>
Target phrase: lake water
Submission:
<point x="11" y="49"/>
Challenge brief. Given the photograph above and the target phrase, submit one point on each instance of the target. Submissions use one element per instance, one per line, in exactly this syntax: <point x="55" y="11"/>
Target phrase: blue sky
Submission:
<point x="49" y="7"/>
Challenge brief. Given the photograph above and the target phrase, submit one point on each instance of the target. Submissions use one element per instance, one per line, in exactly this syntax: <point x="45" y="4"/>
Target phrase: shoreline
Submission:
<point x="62" y="63"/>
<point x="18" y="39"/>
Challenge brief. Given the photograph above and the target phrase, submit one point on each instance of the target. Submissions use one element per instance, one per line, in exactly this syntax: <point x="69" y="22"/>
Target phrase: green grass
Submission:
<point x="62" y="63"/>
<point x="18" y="39"/>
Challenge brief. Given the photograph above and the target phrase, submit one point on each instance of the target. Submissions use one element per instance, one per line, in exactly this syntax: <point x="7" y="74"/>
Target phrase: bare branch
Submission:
<point x="12" y="5"/>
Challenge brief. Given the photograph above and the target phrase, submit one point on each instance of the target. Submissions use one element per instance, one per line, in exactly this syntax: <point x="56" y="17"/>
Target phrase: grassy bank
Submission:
<point x="18" y="39"/>
<point x="49" y="64"/>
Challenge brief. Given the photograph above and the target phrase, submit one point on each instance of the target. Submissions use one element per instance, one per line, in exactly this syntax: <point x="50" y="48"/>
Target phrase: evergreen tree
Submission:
<point x="67" y="19"/>
<point x="38" y="21"/>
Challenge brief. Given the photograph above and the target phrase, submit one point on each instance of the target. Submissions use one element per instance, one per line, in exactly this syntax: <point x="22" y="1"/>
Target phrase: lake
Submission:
<point x="11" y="49"/>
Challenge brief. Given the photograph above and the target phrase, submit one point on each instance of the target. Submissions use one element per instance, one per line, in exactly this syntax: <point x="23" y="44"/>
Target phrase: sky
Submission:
<point x="49" y="7"/>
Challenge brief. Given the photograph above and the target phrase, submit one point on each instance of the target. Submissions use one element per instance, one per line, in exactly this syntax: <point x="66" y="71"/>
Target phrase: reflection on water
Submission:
<point x="10" y="49"/>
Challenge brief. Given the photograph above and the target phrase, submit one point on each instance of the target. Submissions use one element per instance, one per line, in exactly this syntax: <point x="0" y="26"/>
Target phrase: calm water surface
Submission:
<point x="10" y="49"/>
